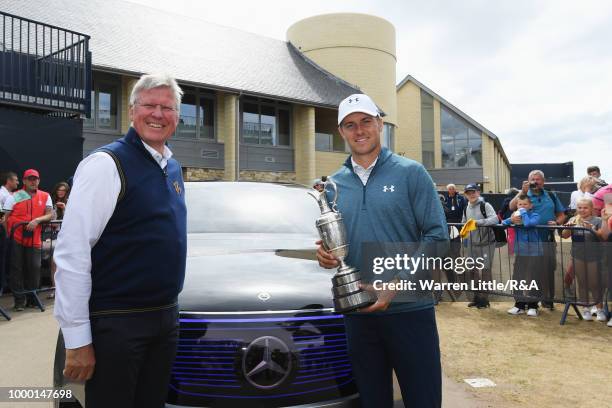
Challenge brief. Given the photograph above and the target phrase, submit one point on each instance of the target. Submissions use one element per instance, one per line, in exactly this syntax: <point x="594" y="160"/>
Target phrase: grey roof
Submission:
<point x="409" y="78"/>
<point x="135" y="39"/>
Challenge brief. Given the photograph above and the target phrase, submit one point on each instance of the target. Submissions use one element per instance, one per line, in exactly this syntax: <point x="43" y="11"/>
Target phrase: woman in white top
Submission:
<point x="585" y="188"/>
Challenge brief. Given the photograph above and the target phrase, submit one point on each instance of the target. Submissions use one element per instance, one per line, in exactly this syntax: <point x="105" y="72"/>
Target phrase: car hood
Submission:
<point x="254" y="272"/>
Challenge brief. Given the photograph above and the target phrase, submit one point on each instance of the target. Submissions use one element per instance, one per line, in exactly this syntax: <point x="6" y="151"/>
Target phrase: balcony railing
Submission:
<point x="44" y="66"/>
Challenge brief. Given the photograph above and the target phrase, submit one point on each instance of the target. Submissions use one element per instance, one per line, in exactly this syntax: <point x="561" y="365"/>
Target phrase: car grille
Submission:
<point x="269" y="360"/>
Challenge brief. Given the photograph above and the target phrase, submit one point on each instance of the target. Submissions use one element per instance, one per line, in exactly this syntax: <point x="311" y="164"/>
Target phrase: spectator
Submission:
<point x="551" y="211"/>
<point x="9" y="184"/>
<point x="586" y="187"/>
<point x="505" y="212"/>
<point x="454" y="203"/>
<point x="59" y="196"/>
<point x="586" y="257"/>
<point x="529" y="251"/>
<point x="605" y="235"/>
<point x="32" y="206"/>
<point x="595" y="172"/>
<point x="598" y="199"/>
<point x="481" y="242"/>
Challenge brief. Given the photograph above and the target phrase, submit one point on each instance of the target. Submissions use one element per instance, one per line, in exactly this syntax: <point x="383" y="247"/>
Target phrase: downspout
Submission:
<point x="237" y="136"/>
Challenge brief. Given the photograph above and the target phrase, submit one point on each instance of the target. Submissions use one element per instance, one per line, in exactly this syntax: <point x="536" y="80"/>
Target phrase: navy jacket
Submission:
<point x="454" y="207"/>
<point x="138" y="264"/>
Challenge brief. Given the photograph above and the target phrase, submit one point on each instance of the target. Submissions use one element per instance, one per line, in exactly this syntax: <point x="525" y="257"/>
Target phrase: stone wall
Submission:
<point x="270" y="176"/>
<point x="195" y="174"/>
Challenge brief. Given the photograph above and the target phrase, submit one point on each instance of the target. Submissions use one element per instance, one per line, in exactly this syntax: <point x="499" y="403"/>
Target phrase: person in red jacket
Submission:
<point x="32" y="206"/>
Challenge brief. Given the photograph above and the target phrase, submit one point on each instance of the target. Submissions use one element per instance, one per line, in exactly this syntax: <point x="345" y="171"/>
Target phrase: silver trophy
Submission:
<point x="347" y="294"/>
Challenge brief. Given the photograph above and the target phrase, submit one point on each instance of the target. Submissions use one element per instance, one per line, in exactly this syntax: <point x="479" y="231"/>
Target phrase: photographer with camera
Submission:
<point x="552" y="212"/>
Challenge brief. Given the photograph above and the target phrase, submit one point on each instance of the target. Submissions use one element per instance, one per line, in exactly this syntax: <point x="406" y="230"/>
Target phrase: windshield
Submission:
<point x="218" y="207"/>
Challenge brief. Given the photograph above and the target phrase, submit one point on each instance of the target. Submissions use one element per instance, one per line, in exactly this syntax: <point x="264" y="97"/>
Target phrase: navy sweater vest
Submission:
<point x="138" y="264"/>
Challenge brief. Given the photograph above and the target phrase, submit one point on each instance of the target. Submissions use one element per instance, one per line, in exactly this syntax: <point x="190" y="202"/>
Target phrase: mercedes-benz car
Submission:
<point x="257" y="327"/>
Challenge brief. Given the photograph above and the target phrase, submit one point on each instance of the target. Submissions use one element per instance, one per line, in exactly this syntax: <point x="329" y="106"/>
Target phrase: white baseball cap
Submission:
<point x="357" y="103"/>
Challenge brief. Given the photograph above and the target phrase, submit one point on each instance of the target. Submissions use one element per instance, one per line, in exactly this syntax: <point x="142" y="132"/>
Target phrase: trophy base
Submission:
<point x="346" y="276"/>
<point x="353" y="302"/>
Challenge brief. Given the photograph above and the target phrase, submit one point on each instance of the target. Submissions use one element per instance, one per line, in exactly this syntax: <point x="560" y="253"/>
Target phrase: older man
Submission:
<point x="32" y="207"/>
<point x="552" y="212"/>
<point x="121" y="258"/>
<point x="455" y="203"/>
<point x="387" y="198"/>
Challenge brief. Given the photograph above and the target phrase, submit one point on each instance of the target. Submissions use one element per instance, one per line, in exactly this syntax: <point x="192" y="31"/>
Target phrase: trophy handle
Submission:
<point x="314" y="195"/>
<point x="328" y="180"/>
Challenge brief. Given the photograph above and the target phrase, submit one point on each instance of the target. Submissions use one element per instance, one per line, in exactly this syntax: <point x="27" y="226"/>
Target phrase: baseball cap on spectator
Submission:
<point x="357" y="103"/>
<point x="31" y="173"/>
<point x="471" y="187"/>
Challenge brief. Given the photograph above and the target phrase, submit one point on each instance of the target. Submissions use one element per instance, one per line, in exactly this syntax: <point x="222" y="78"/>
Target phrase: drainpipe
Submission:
<point x="237" y="143"/>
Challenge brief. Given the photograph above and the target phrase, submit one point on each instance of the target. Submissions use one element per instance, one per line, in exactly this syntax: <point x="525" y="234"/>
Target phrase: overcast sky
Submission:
<point x="538" y="74"/>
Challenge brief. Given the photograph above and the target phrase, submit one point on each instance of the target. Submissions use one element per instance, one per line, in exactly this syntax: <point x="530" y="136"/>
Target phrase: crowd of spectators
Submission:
<point x="535" y="220"/>
<point x="24" y="212"/>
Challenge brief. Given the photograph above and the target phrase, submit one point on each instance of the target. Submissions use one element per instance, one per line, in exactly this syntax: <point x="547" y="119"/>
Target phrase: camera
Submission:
<point x="532" y="185"/>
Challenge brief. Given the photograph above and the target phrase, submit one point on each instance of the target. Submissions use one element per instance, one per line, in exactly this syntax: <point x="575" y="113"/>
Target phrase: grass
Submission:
<point x="535" y="362"/>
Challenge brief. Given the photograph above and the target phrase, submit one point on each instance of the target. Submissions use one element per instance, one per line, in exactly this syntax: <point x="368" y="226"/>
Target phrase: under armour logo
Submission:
<point x="351" y="100"/>
<point x="391" y="189"/>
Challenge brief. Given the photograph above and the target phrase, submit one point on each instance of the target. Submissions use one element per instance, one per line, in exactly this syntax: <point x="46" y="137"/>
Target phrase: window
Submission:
<point x="427" y="130"/>
<point x="461" y="142"/>
<point x="388" y="136"/>
<point x="196" y="119"/>
<point x="266" y="123"/>
<point x="328" y="142"/>
<point x="104" y="107"/>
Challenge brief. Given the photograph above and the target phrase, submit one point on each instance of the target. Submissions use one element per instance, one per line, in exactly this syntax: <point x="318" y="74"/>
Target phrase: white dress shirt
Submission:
<point x="4" y="194"/>
<point x="363" y="173"/>
<point x="90" y="206"/>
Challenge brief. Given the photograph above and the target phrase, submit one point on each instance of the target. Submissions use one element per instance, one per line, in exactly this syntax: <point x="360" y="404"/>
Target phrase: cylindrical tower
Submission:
<point x="358" y="48"/>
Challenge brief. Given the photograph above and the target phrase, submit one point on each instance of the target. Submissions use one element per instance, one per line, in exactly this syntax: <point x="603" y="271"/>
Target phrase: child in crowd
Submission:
<point x="587" y="258"/>
<point x="529" y="251"/>
<point x="605" y="235"/>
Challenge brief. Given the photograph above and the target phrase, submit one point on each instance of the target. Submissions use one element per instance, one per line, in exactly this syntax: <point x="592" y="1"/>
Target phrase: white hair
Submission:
<point x="151" y="81"/>
<point x="536" y="173"/>
<point x="451" y="185"/>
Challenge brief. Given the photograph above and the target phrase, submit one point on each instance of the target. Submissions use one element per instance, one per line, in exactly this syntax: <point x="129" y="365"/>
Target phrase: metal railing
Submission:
<point x="44" y="66"/>
<point x="572" y="270"/>
<point x="32" y="265"/>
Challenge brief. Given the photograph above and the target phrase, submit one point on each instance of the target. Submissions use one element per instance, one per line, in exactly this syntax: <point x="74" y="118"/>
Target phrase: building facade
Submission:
<point x="451" y="145"/>
<point x="257" y="108"/>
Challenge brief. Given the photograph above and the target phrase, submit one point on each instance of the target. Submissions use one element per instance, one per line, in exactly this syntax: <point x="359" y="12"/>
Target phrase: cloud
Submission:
<point x="536" y="73"/>
<point x="583" y="139"/>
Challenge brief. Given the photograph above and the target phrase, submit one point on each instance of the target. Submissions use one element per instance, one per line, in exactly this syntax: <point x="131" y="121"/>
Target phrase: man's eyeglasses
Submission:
<point x="365" y="123"/>
<point x="151" y="107"/>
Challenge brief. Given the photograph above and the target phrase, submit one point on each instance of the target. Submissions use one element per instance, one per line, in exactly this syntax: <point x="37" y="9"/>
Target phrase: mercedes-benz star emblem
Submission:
<point x="263" y="296"/>
<point x="267" y="362"/>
